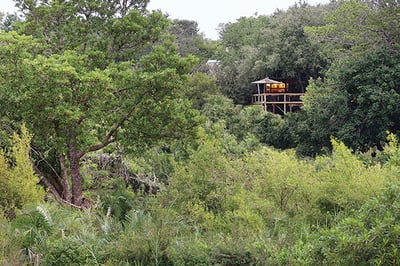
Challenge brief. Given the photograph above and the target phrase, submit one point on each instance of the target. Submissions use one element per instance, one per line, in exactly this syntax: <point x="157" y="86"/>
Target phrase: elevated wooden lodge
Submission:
<point x="275" y="96"/>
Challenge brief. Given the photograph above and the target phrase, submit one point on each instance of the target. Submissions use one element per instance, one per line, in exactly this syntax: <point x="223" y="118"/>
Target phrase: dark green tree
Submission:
<point x="200" y="88"/>
<point x="357" y="104"/>
<point x="275" y="46"/>
<point x="94" y="73"/>
<point x="191" y="42"/>
<point x="294" y="56"/>
<point x="187" y="36"/>
<point x="240" y="62"/>
<point x="352" y="27"/>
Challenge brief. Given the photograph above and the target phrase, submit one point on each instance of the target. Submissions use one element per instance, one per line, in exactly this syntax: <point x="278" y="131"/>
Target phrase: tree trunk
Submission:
<point x="76" y="181"/>
<point x="66" y="192"/>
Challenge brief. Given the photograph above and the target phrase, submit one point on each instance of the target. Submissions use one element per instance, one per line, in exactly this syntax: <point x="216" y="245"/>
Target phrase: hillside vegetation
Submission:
<point x="119" y="145"/>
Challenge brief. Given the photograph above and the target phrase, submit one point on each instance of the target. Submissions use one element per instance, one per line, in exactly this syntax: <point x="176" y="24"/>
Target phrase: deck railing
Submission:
<point x="284" y="102"/>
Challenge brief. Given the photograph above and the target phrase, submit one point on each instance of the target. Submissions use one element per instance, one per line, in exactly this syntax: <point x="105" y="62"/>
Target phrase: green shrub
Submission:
<point x="34" y="225"/>
<point x="69" y="251"/>
<point x="41" y="231"/>
<point x="145" y="238"/>
<point x="118" y="199"/>
<point x="342" y="181"/>
<point x="369" y="236"/>
<point x="190" y="250"/>
<point x="10" y="246"/>
<point x="18" y="182"/>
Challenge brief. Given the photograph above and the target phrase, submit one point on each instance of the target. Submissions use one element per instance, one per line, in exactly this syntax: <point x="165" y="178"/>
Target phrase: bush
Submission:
<point x="51" y="234"/>
<point x="18" y="182"/>
<point x="69" y="251"/>
<point x="342" y="181"/>
<point x="369" y="236"/>
<point x="190" y="250"/>
<point x="144" y="239"/>
<point x="10" y="246"/>
<point x="34" y="225"/>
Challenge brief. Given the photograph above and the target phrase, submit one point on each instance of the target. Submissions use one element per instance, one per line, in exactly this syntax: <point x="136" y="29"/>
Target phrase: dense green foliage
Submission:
<point x="83" y="84"/>
<point x="18" y="182"/>
<point x="146" y="161"/>
<point x="269" y="46"/>
<point x="368" y="236"/>
<point x="357" y="102"/>
<point x="264" y="207"/>
<point x="352" y="27"/>
<point x="360" y="100"/>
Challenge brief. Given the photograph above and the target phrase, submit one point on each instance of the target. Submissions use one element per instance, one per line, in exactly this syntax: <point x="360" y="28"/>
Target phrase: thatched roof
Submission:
<point x="267" y="81"/>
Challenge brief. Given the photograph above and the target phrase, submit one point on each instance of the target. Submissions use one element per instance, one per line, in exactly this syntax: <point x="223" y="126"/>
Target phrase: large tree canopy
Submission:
<point x="358" y="103"/>
<point x="354" y="26"/>
<point x="274" y="46"/>
<point x="92" y="73"/>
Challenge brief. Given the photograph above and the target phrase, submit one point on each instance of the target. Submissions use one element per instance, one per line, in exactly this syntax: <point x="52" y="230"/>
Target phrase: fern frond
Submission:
<point x="46" y="216"/>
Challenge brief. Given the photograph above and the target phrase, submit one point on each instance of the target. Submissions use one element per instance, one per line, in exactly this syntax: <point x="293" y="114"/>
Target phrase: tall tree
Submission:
<point x="240" y="62"/>
<point x="191" y="42"/>
<point x="94" y="73"/>
<point x="187" y="36"/>
<point x="294" y="56"/>
<point x="275" y="46"/>
<point x="354" y="26"/>
<point x="357" y="104"/>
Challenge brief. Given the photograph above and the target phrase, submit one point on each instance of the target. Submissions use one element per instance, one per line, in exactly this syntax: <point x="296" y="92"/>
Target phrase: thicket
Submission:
<point x="260" y="207"/>
<point x="214" y="183"/>
<point x="368" y="236"/>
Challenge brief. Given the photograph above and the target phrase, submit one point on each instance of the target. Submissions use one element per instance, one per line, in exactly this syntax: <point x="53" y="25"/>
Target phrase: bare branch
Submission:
<point x="38" y="153"/>
<point x="97" y="147"/>
<point x="46" y="182"/>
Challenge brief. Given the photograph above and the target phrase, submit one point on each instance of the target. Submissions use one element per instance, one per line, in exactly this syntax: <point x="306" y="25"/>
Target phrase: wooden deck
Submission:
<point x="278" y="102"/>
